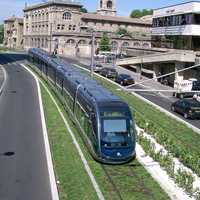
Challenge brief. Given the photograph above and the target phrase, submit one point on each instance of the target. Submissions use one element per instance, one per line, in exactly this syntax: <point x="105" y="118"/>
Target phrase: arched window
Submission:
<point x="114" y="45"/>
<point x="125" y="44"/>
<point x="82" y="42"/>
<point x="101" y="4"/>
<point x="136" y="44"/>
<point x="109" y="4"/>
<point x="70" y="42"/>
<point x="67" y="16"/>
<point x="146" y="45"/>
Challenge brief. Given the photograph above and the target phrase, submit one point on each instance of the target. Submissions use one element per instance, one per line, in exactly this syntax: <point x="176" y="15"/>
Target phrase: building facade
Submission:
<point x="13" y="32"/>
<point x="61" y="25"/>
<point x="177" y="26"/>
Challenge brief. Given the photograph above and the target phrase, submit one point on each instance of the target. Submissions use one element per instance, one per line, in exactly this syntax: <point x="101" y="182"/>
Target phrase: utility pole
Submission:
<point x="92" y="53"/>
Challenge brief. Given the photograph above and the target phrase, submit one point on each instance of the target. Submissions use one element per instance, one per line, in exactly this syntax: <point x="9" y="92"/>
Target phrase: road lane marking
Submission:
<point x="52" y="179"/>
<point x="5" y="79"/>
<point x="86" y="165"/>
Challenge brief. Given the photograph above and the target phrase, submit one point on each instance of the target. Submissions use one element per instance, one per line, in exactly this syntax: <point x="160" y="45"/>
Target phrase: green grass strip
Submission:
<point x="133" y="181"/>
<point x="74" y="181"/>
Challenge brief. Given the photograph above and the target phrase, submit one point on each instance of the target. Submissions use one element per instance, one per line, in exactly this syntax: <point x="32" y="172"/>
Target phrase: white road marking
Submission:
<point x="87" y="168"/>
<point x="5" y="79"/>
<point x="52" y="179"/>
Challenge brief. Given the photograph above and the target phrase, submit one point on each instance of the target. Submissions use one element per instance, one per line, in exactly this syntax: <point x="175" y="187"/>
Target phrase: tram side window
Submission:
<point x="67" y="97"/>
<point x="84" y="121"/>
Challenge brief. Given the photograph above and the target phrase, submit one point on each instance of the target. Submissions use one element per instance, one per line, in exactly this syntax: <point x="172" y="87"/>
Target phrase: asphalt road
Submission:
<point x="23" y="166"/>
<point x="159" y="99"/>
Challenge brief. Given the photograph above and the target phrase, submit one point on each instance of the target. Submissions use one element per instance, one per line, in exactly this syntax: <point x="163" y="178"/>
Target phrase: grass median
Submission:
<point x="74" y="181"/>
<point x="182" y="141"/>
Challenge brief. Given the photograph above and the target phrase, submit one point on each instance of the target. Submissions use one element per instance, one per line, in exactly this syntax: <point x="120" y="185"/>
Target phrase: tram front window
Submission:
<point x="115" y="133"/>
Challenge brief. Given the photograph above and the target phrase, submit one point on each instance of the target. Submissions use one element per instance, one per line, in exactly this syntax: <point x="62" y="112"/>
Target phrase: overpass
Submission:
<point x="169" y="57"/>
<point x="153" y="65"/>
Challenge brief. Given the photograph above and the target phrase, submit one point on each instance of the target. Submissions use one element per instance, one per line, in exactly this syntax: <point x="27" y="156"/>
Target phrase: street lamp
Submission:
<point x="92" y="31"/>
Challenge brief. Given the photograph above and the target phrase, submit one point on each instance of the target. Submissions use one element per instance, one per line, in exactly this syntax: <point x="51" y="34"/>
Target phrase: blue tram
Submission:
<point x="103" y="119"/>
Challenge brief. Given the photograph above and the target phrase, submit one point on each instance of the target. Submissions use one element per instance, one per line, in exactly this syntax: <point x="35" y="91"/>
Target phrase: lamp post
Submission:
<point x="92" y="31"/>
<point x="50" y="45"/>
<point x="92" y="53"/>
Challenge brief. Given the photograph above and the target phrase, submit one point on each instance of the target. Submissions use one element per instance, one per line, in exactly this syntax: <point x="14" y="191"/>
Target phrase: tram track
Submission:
<point x="104" y="167"/>
<point x="124" y="179"/>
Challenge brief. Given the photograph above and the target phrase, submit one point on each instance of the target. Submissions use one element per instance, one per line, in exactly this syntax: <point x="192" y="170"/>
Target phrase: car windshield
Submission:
<point x="115" y="133"/>
<point x="194" y="103"/>
<point x="112" y="70"/>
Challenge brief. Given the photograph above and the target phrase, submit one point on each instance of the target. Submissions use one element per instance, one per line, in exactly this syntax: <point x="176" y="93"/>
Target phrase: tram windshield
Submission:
<point x="115" y="132"/>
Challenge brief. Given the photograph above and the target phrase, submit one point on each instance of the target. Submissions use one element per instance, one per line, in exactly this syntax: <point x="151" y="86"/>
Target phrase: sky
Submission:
<point x="124" y="7"/>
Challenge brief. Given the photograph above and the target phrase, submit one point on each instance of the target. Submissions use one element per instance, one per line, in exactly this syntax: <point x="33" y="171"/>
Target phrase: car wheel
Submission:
<point x="185" y="115"/>
<point x="173" y="108"/>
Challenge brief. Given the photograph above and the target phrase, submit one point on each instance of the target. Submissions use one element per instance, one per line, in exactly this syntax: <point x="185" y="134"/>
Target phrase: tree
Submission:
<point x="1" y="33"/>
<point x="140" y="13"/>
<point x="83" y="10"/>
<point x="105" y="43"/>
<point x="147" y="12"/>
<point x="136" y="13"/>
<point x="124" y="32"/>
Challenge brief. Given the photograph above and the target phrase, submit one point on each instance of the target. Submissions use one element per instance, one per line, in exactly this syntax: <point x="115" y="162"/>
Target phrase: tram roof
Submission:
<point x="90" y="87"/>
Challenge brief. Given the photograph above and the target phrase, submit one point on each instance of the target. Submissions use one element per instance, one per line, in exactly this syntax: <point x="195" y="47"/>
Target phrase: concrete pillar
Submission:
<point x="156" y="71"/>
<point x="138" y="69"/>
<point x="179" y="76"/>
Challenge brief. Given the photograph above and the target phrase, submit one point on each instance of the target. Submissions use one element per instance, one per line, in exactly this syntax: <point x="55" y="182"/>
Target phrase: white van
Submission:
<point x="185" y="88"/>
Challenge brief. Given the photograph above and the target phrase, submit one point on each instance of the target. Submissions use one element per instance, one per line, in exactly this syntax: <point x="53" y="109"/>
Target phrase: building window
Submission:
<point x="62" y="27"/>
<point x="74" y="27"/>
<point x="58" y="26"/>
<point x="82" y="42"/>
<point x="70" y="42"/>
<point x="70" y="27"/>
<point x="101" y="4"/>
<point x="109" y="4"/>
<point x="67" y="16"/>
<point x="114" y="45"/>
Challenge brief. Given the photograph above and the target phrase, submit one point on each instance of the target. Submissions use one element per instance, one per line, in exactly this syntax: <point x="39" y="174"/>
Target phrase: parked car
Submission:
<point x="97" y="68"/>
<point x="197" y="97"/>
<point x="109" y="72"/>
<point x="189" y="108"/>
<point x="124" y="79"/>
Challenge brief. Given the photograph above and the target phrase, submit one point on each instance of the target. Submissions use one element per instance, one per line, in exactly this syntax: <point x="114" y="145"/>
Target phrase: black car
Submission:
<point x="109" y="72"/>
<point x="124" y="79"/>
<point x="189" y="108"/>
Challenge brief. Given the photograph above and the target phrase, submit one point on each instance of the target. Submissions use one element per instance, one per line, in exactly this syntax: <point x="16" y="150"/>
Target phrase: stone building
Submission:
<point x="13" y="32"/>
<point x="60" y="24"/>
